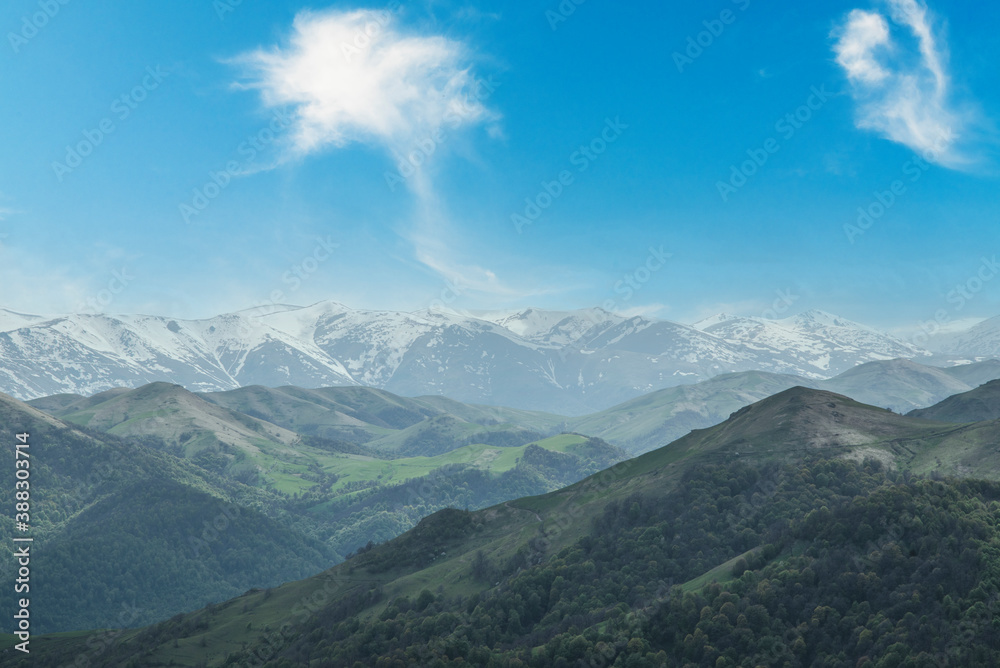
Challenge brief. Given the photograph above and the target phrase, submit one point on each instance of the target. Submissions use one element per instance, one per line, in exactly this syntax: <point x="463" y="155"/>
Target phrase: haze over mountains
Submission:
<point x="566" y="362"/>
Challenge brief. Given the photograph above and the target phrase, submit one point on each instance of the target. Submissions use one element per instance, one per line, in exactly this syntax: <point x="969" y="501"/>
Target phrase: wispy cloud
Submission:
<point x="353" y="77"/>
<point x="900" y="80"/>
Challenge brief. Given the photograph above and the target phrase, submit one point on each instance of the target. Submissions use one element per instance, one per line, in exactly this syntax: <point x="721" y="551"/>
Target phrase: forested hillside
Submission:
<point x="827" y="563"/>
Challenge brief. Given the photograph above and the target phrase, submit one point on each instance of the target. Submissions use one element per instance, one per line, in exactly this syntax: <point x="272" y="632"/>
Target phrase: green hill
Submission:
<point x="116" y="522"/>
<point x="900" y="384"/>
<point x="356" y="414"/>
<point x="976" y="373"/>
<point x="653" y="420"/>
<point x="365" y="415"/>
<point x="978" y="405"/>
<point x="796" y="533"/>
<point x="139" y="491"/>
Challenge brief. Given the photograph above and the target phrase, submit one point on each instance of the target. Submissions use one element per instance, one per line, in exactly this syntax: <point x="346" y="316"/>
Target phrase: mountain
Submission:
<point x="565" y="362"/>
<point x="708" y="551"/>
<point x="980" y="341"/>
<point x="118" y="523"/>
<point x="657" y="418"/>
<point x="560" y="328"/>
<point x="900" y="384"/>
<point x="189" y="459"/>
<point x="382" y="424"/>
<point x="812" y="344"/>
<point x="70" y="403"/>
<point x="978" y="405"/>
<point x="801" y="419"/>
<point x="217" y="439"/>
<point x="173" y="414"/>
<point x="975" y="374"/>
<point x="377" y="417"/>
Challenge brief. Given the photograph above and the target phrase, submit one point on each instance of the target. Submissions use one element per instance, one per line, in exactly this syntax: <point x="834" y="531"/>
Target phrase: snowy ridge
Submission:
<point x="569" y="362"/>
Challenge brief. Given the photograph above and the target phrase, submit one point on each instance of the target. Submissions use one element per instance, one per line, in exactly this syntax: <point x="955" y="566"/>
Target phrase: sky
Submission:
<point x="668" y="159"/>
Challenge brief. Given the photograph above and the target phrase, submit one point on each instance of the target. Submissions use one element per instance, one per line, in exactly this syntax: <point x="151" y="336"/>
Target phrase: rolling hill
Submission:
<point x="975" y="374"/>
<point x="980" y="404"/>
<point x="655" y="419"/>
<point x="387" y="425"/>
<point x="804" y="503"/>
<point x="98" y="499"/>
<point x="899" y="384"/>
<point x="185" y="462"/>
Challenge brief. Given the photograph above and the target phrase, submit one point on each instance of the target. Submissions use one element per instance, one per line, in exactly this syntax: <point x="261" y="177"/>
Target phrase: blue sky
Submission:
<point x="498" y="102"/>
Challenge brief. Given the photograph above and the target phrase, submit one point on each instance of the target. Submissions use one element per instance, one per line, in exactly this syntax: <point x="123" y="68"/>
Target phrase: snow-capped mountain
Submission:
<point x="814" y="343"/>
<point x="552" y="327"/>
<point x="980" y="340"/>
<point x="570" y="362"/>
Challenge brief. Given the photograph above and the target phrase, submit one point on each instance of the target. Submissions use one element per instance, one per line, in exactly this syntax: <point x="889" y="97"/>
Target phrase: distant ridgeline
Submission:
<point x="566" y="362"/>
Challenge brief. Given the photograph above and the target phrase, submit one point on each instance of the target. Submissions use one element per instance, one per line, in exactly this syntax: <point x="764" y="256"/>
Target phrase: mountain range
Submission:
<point x="333" y="469"/>
<point x="193" y="501"/>
<point x="806" y="505"/>
<point x="566" y="362"/>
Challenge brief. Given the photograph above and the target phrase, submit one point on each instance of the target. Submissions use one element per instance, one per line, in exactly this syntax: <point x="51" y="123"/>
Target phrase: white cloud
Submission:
<point x="900" y="80"/>
<point x="352" y="77"/>
<point x="863" y="34"/>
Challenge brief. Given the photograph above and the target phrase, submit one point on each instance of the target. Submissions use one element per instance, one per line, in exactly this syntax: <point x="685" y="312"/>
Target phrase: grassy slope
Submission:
<point x="901" y="385"/>
<point x="982" y="403"/>
<point x="84" y="485"/>
<point x="783" y="427"/>
<point x="655" y="419"/>
<point x="489" y="458"/>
